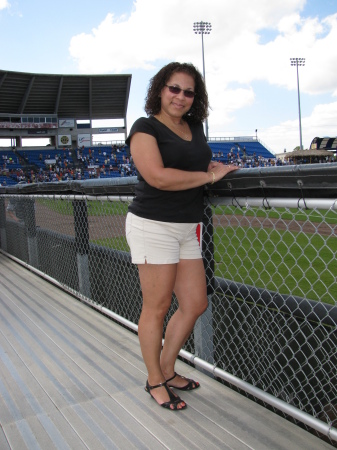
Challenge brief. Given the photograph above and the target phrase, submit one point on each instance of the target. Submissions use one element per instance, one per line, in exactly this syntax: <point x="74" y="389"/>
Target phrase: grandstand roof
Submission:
<point x="67" y="96"/>
<point x="327" y="143"/>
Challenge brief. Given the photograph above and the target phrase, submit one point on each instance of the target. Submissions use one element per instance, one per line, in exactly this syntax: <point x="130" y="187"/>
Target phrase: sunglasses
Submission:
<point x="176" y="90"/>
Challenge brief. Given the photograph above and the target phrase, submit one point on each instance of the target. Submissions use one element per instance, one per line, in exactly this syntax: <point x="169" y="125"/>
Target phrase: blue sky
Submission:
<point x="250" y="81"/>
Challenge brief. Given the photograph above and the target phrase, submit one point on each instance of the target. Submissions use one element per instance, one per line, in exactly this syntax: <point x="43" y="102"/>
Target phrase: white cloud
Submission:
<point x="321" y="122"/>
<point x="4" y="4"/>
<point x="157" y="31"/>
<point x="233" y="99"/>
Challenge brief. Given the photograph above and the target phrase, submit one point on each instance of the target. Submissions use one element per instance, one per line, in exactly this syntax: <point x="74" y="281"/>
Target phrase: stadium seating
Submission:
<point x="34" y="159"/>
<point x="251" y="147"/>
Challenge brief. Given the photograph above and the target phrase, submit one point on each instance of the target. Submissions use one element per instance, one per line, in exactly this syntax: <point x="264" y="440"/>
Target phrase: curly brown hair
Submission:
<point x="199" y="108"/>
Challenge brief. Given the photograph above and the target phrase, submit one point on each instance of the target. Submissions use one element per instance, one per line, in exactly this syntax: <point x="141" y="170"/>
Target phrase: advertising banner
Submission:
<point x="66" y="123"/>
<point x="64" y="139"/>
<point x="83" y="140"/>
<point x="49" y="162"/>
<point x="37" y="131"/>
<point x="108" y="130"/>
<point x="28" y="125"/>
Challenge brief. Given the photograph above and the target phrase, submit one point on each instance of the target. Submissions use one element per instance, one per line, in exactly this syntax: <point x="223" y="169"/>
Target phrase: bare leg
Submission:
<point x="157" y="282"/>
<point x="190" y="289"/>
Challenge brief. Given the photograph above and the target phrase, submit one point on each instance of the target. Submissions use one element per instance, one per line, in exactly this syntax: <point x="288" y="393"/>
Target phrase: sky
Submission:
<point x="250" y="82"/>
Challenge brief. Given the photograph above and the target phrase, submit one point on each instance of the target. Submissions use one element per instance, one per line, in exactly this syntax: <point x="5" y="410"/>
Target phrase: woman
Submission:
<point x="173" y="162"/>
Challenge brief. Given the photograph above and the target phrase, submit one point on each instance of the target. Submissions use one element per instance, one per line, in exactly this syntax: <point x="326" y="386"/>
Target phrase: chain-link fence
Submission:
<point x="270" y="328"/>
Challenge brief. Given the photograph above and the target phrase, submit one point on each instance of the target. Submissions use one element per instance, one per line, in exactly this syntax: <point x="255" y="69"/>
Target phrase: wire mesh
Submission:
<point x="273" y="313"/>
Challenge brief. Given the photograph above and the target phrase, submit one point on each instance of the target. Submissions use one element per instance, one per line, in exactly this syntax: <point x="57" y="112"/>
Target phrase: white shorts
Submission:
<point x="155" y="242"/>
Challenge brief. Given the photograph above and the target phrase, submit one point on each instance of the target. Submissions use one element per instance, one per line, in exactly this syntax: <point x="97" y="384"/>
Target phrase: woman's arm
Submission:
<point x="149" y="163"/>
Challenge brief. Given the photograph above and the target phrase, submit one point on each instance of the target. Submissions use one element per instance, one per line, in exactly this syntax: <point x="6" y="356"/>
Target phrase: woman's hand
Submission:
<point x="219" y="170"/>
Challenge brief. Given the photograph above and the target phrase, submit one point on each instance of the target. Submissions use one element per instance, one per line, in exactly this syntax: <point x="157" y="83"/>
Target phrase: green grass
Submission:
<point x="103" y="208"/>
<point x="63" y="207"/>
<point x="287" y="262"/>
<point x="294" y="214"/>
<point x="95" y="207"/>
<point x="290" y="263"/>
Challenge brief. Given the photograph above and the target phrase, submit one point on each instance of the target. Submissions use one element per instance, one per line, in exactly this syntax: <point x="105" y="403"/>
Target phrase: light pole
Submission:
<point x="203" y="28"/>
<point x="298" y="62"/>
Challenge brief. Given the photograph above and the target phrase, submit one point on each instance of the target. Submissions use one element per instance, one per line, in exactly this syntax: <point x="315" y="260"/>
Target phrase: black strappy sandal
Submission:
<point x="174" y="399"/>
<point x="191" y="384"/>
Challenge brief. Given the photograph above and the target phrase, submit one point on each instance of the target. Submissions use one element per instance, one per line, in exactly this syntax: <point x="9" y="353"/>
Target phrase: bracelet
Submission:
<point x="213" y="181"/>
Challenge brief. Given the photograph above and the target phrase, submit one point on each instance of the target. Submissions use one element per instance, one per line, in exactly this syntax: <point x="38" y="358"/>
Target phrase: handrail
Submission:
<point x="298" y="181"/>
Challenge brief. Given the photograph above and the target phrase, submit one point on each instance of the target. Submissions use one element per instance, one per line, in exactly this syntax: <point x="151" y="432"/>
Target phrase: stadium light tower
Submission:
<point x="298" y="62"/>
<point x="203" y="28"/>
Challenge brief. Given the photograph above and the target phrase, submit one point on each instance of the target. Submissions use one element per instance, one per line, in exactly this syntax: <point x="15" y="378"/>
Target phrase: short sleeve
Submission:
<point x="142" y="125"/>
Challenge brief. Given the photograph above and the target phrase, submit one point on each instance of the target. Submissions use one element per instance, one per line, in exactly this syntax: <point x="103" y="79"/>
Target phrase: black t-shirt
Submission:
<point x="172" y="206"/>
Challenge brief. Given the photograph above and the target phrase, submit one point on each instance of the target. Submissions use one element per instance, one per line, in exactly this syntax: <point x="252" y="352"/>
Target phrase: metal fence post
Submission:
<point x="28" y="207"/>
<point x="82" y="245"/>
<point x="3" y="236"/>
<point x="203" y="330"/>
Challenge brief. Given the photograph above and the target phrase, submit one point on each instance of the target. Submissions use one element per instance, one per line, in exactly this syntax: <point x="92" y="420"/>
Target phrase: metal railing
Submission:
<point x="271" y="264"/>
